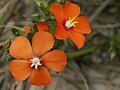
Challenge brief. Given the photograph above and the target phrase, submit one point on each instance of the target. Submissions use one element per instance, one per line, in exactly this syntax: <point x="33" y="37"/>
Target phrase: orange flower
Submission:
<point x="33" y="60"/>
<point x="69" y="25"/>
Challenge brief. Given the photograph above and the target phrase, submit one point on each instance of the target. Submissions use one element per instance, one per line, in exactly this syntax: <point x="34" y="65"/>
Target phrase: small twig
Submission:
<point x="99" y="10"/>
<point x="11" y="11"/>
<point x="84" y="80"/>
<point x="76" y="68"/>
<point x="7" y="26"/>
<point x="8" y="15"/>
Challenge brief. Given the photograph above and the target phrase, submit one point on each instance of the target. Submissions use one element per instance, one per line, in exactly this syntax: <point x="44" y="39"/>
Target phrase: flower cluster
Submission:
<point x="32" y="59"/>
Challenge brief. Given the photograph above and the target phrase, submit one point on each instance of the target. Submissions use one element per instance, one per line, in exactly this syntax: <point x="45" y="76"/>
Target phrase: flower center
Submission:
<point x="35" y="61"/>
<point x="71" y="23"/>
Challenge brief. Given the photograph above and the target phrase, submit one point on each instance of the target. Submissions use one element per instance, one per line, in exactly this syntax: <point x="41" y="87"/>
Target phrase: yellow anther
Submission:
<point x="72" y="19"/>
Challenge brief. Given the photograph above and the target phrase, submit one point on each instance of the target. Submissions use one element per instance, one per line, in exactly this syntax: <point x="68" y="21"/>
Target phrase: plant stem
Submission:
<point x="82" y="51"/>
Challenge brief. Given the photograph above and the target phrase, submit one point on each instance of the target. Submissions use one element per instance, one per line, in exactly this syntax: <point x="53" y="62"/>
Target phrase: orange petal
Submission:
<point x="77" y="38"/>
<point x="61" y="32"/>
<point x="42" y="26"/>
<point x="57" y="10"/>
<point x="55" y="60"/>
<point x="83" y="25"/>
<point x="71" y="10"/>
<point x="20" y="69"/>
<point x="42" y="42"/>
<point x="40" y="76"/>
<point x="21" y="48"/>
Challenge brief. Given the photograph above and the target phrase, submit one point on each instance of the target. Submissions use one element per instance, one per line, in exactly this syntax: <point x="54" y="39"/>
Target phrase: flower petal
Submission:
<point x="54" y="60"/>
<point x="83" y="25"/>
<point x="77" y="38"/>
<point x="71" y="10"/>
<point x="20" y="69"/>
<point x="21" y="48"/>
<point x="42" y="42"/>
<point x="40" y="76"/>
<point x="57" y="10"/>
<point x="61" y="32"/>
<point x="42" y="26"/>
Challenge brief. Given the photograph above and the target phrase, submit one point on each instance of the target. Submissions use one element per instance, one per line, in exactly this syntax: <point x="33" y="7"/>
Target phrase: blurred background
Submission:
<point x="94" y="67"/>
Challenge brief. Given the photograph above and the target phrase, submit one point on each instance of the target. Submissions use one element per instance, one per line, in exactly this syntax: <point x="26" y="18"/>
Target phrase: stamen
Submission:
<point x="35" y="62"/>
<point x="71" y="23"/>
<point x="72" y="19"/>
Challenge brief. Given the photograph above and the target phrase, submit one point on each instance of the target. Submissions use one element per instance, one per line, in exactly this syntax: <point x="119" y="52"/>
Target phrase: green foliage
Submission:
<point x="17" y="32"/>
<point x="114" y="43"/>
<point x="33" y="31"/>
<point x="35" y="17"/>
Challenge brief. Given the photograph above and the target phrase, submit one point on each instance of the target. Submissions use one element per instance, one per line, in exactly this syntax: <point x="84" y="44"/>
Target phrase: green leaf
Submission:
<point x="35" y="18"/>
<point x="52" y="1"/>
<point x="38" y="2"/>
<point x="35" y="28"/>
<point x="29" y="36"/>
<point x="8" y="57"/>
<point x="112" y="55"/>
<point x="17" y="32"/>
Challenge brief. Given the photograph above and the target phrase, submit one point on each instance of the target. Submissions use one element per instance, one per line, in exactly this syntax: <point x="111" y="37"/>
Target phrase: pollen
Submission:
<point x="71" y="23"/>
<point x="35" y="62"/>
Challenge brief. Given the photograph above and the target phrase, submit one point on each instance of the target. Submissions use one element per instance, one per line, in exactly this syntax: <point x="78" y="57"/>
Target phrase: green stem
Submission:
<point x="82" y="51"/>
<point x="65" y="45"/>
